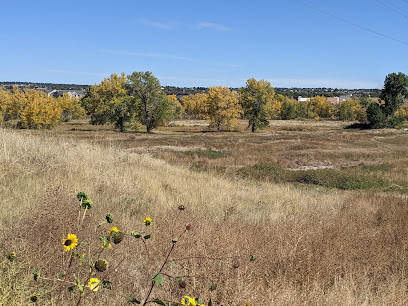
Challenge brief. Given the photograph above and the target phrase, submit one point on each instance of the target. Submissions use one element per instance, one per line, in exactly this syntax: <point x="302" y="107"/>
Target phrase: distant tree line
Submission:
<point x="139" y="99"/>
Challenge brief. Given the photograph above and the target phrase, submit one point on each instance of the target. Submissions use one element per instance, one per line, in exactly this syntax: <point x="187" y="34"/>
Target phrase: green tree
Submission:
<point x="391" y="98"/>
<point x="393" y="94"/>
<point x="254" y="99"/>
<point x="375" y="116"/>
<point x="153" y="106"/>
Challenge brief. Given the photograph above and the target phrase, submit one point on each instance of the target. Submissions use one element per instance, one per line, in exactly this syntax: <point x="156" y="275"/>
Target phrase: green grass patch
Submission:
<point x="330" y="178"/>
<point x="375" y="168"/>
<point x="207" y="153"/>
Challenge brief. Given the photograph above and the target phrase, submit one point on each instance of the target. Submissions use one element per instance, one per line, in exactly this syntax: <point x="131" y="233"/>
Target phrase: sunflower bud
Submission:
<point x="109" y="218"/>
<point x="101" y="265"/>
<point x="82" y="196"/>
<point x="11" y="256"/>
<point x="87" y="204"/>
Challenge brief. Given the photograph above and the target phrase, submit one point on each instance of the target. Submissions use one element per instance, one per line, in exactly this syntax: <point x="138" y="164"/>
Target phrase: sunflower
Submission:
<point x="94" y="284"/>
<point x="188" y="301"/>
<point x="147" y="221"/>
<point x="109" y="245"/>
<point x="70" y="243"/>
<point x="113" y="229"/>
<point x="34" y="298"/>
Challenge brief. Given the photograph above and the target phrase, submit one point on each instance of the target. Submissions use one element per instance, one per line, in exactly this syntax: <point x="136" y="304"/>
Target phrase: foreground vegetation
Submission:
<point x="322" y="243"/>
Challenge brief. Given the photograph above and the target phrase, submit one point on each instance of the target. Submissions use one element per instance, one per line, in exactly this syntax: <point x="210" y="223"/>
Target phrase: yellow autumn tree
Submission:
<point x="40" y="111"/>
<point x="195" y="105"/>
<point x="175" y="106"/>
<point x="403" y="111"/>
<point x="5" y="99"/>
<point x="18" y="100"/>
<point x="320" y="107"/>
<point x="71" y="108"/>
<point x="222" y="107"/>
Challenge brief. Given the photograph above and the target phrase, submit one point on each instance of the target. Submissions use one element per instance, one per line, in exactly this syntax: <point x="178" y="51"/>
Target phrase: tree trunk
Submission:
<point x="121" y="124"/>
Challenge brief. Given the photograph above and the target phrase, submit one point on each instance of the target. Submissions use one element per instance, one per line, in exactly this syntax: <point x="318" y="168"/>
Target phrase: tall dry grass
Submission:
<point x="312" y="246"/>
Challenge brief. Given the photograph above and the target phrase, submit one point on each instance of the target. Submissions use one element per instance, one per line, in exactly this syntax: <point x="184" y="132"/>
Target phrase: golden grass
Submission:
<point x="313" y="246"/>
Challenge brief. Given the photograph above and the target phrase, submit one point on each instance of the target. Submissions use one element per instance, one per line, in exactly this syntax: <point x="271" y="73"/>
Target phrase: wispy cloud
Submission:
<point x="147" y="54"/>
<point x="213" y="26"/>
<point x="77" y="72"/>
<point x="157" y="25"/>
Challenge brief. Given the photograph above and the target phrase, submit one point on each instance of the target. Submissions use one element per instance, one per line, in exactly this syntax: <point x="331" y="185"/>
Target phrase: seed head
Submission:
<point x="117" y="237"/>
<point x="182" y="284"/>
<point x="188" y="227"/>
<point x="101" y="265"/>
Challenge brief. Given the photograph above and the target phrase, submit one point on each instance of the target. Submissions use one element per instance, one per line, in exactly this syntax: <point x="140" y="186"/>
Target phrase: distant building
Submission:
<point x="300" y="99"/>
<point x="333" y="100"/>
<point x="346" y="97"/>
<point x="71" y="93"/>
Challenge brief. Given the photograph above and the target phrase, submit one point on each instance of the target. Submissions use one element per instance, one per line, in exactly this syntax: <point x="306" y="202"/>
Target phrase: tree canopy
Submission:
<point x="256" y="98"/>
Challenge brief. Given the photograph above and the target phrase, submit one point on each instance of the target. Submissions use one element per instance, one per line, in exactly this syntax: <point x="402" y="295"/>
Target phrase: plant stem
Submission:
<point x="65" y="278"/>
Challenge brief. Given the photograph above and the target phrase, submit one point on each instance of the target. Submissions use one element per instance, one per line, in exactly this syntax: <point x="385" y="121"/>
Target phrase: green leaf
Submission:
<point x="158" y="279"/>
<point x="135" y="234"/>
<point x="175" y="240"/>
<point x="60" y="275"/>
<point x="80" y="286"/>
<point x="131" y="299"/>
<point x="107" y="284"/>
<point x="219" y="263"/>
<point x="71" y="289"/>
<point x="252" y="258"/>
<point x="146" y="237"/>
<point x="209" y="303"/>
<point x="172" y="263"/>
<point x="213" y="286"/>
<point x="157" y="301"/>
<point x="84" y="243"/>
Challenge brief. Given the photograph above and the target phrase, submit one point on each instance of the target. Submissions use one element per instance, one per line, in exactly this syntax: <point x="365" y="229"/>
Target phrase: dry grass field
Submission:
<point x="323" y="209"/>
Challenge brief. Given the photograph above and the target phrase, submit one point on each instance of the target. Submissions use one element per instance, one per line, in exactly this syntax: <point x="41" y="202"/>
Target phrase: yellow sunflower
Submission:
<point x="147" y="221"/>
<point x="113" y="229"/>
<point x="94" y="284"/>
<point x="188" y="301"/>
<point x="34" y="298"/>
<point x="70" y="243"/>
<point x="109" y="245"/>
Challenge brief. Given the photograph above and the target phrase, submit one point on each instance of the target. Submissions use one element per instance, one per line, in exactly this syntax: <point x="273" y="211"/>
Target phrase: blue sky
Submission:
<point x="206" y="43"/>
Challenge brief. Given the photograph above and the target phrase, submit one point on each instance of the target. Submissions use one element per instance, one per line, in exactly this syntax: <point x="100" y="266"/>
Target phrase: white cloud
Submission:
<point x="213" y="26"/>
<point x="157" y="25"/>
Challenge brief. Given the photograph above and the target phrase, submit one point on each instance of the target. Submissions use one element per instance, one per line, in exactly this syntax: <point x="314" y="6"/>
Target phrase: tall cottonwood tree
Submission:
<point x="256" y="99"/>
<point x="222" y="107"/>
<point x="153" y="108"/>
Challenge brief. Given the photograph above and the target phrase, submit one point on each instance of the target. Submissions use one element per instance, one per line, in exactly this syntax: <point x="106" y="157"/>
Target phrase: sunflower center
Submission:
<point x="68" y="242"/>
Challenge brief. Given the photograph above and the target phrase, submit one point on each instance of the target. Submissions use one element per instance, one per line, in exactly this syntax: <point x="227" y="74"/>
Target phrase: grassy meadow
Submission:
<point x="323" y="208"/>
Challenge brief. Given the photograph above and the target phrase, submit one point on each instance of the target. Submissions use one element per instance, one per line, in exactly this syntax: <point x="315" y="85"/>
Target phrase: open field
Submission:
<point x="333" y="234"/>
